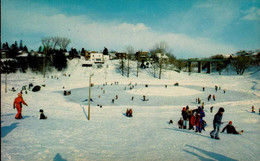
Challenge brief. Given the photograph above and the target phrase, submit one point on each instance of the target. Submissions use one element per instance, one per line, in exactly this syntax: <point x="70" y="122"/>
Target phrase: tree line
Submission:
<point x="51" y="55"/>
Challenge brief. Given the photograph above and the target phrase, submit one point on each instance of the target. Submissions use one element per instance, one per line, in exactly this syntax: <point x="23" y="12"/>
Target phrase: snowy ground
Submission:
<point x="109" y="135"/>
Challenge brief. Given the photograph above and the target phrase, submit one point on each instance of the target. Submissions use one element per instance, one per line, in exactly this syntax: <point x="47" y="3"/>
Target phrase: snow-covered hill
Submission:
<point x="67" y="134"/>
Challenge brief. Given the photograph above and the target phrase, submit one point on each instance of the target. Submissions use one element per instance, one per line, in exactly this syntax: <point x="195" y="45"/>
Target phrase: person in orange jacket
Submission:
<point x="18" y="105"/>
<point x="130" y="112"/>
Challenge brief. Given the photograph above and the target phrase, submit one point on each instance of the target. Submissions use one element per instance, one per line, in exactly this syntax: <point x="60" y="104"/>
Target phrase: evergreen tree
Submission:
<point x="60" y="61"/>
<point x="40" y="49"/>
<point x="21" y="45"/>
<point x="82" y="52"/>
<point x="25" y="48"/>
<point x="105" y="51"/>
<point x="13" y="50"/>
<point x="73" y="53"/>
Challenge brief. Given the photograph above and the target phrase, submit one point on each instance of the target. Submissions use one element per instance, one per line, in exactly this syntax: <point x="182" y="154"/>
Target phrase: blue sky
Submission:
<point x="190" y="28"/>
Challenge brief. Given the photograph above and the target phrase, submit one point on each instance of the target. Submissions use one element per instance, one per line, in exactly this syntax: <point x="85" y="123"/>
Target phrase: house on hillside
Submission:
<point x="98" y="58"/>
<point x="121" y="55"/>
<point x="4" y="53"/>
<point x="161" y="57"/>
<point x="141" y="55"/>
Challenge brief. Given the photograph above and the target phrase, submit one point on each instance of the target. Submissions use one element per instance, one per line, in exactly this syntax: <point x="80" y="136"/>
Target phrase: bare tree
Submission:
<point x="161" y="48"/>
<point x="122" y="66"/>
<point x="55" y="41"/>
<point x="47" y="44"/>
<point x="241" y="63"/>
<point x="130" y="53"/>
<point x="63" y="42"/>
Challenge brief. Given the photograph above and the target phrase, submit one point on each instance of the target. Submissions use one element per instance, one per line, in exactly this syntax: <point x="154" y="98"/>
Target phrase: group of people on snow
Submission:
<point x="193" y="118"/>
<point x="129" y="112"/>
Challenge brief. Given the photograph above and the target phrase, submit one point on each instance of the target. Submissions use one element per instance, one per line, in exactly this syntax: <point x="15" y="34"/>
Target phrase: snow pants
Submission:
<point x="184" y="124"/>
<point x="19" y="113"/>
<point x="215" y="132"/>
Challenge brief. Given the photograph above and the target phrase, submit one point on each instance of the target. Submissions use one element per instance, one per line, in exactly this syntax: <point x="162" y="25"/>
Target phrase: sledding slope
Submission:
<point x="109" y="135"/>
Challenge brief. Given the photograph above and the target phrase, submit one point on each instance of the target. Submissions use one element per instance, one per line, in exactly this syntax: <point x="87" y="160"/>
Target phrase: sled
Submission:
<point x="125" y="115"/>
<point x="36" y="88"/>
<point x="145" y="100"/>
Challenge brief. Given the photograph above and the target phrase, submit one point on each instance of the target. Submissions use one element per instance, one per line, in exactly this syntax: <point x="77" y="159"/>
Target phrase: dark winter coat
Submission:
<point x="217" y="118"/>
<point x="42" y="116"/>
<point x="184" y="114"/>
<point x="230" y="129"/>
<point x="180" y="122"/>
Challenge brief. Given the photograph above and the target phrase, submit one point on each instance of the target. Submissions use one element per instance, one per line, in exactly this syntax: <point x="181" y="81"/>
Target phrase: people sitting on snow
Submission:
<point x="42" y="116"/>
<point x="129" y="113"/>
<point x="13" y="89"/>
<point x="231" y="129"/>
<point x="66" y="93"/>
<point x="180" y="123"/>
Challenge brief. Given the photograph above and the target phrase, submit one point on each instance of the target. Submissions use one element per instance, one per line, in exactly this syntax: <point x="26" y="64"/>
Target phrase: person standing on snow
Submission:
<point x="18" y="105"/>
<point x="216" y="123"/>
<point x="184" y="116"/>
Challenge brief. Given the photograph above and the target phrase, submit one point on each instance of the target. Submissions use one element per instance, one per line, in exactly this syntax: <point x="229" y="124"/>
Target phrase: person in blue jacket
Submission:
<point x="217" y="123"/>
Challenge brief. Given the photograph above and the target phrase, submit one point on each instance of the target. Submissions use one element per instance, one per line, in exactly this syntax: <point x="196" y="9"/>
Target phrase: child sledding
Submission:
<point x="231" y="129"/>
<point x="42" y="116"/>
<point x="129" y="112"/>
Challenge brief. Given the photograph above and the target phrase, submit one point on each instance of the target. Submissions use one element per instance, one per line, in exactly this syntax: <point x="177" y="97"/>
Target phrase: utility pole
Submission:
<point x="5" y="82"/>
<point x="89" y="96"/>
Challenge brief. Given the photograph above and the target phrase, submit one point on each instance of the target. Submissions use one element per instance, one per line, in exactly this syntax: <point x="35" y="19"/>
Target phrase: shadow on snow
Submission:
<point x="58" y="158"/>
<point x="5" y="130"/>
<point x="213" y="155"/>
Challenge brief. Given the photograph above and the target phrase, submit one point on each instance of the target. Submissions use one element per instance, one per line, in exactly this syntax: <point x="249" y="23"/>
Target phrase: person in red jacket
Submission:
<point x="18" y="105"/>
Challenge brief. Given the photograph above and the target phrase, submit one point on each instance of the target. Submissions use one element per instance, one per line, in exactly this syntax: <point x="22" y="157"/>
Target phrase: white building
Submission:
<point x="97" y="58"/>
<point x="164" y="57"/>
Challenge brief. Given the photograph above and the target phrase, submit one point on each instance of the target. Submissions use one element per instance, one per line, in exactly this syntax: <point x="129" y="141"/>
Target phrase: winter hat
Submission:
<point x="183" y="109"/>
<point x="230" y="122"/>
<point x="221" y="109"/>
<point x="41" y="110"/>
